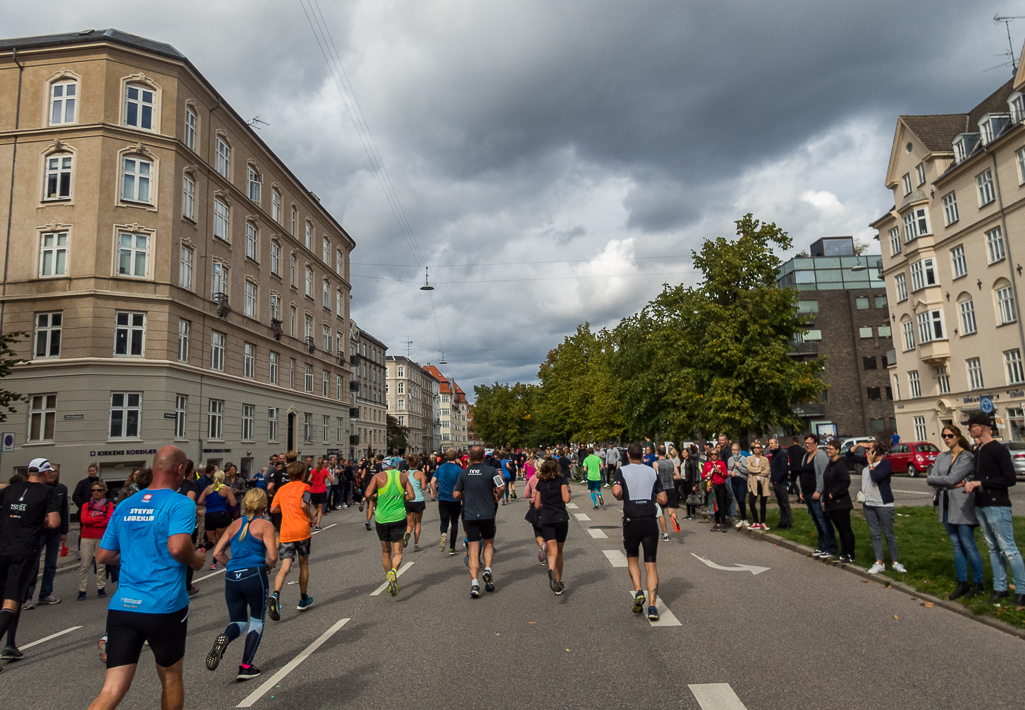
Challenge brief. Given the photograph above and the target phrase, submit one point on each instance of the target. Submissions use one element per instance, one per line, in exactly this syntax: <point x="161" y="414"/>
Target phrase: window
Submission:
<point x="943" y="379"/>
<point x="338" y="303"/>
<point x="58" y="177"/>
<point x="967" y="309"/>
<point x="308" y="378"/>
<point x="275" y="258"/>
<point x="63" y="99"/>
<point x="906" y="179"/>
<point x="959" y="265"/>
<point x="181" y="406"/>
<point x="223" y="158"/>
<point x="326" y="338"/>
<point x="1020" y="154"/>
<point x="275" y="205"/>
<point x="325" y="253"/>
<point x="272" y="361"/>
<point x="923" y="273"/>
<point x="325" y="389"/>
<point x="291" y="373"/>
<point x="220" y="281"/>
<point x="895" y="241"/>
<point x="974" y="365"/>
<point x="272" y="424"/>
<point x="865" y="332"/>
<point x="255" y="185"/>
<point x="217" y="351"/>
<point x="139" y="107"/>
<point x="133" y="255"/>
<point x="185" y="269"/>
<point x="249" y="361"/>
<point x="861" y="303"/>
<point x="136" y="175"/>
<point x="950" y="214"/>
<point x="275" y="307"/>
<point x="215" y="419"/>
<point x="880" y="301"/>
<point x="309" y="282"/>
<point x="884" y="331"/>
<point x="248" y="414"/>
<point x="916" y="223"/>
<point x="920" y="432"/>
<point x="900" y="284"/>
<point x="984" y="180"/>
<point x="188" y="197"/>
<point x="291" y="320"/>
<point x="309" y="236"/>
<point x="252" y="241"/>
<point x="326" y="425"/>
<point x="295" y="220"/>
<point x="869" y="362"/>
<point x="307" y="426"/>
<point x="909" y="335"/>
<point x="338" y="262"/>
<point x="190" y="128"/>
<point x="326" y="294"/>
<point x="184" y="328"/>
<point x="920" y="170"/>
<point x="339" y="428"/>
<point x="53" y="257"/>
<point x="402" y="388"/>
<point x="338" y="387"/>
<point x="896" y="387"/>
<point x="878" y="425"/>
<point x="1005" y="305"/>
<point x="995" y="245"/>
<point x="402" y="404"/>
<point x="930" y="326"/>
<point x="125" y="413"/>
<point x="308" y="332"/>
<point x="916" y="385"/>
<point x="1013" y="366"/>
<point x="129" y="333"/>
<point x="222" y="219"/>
<point x="48" y="334"/>
<point x="402" y="370"/>
<point x="874" y="394"/>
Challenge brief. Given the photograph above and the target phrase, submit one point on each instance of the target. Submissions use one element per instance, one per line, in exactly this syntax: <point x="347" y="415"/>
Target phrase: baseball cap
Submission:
<point x="41" y="465"/>
<point x="979" y="418"/>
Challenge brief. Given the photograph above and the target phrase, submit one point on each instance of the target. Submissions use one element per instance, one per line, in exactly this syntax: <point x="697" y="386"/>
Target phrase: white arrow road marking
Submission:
<point x="737" y="568"/>
<point x="398" y="574"/>
<point x="597" y="534"/>
<point x="716" y="696"/>
<point x="616" y="558"/>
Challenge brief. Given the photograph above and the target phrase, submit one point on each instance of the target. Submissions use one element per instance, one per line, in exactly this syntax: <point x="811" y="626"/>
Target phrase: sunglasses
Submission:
<point x="948" y="436"/>
<point x="98" y="490"/>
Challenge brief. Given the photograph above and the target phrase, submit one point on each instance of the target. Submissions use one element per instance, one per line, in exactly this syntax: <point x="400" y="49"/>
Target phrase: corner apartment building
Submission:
<point x="952" y="259"/>
<point x="178" y="282"/>
<point x="411" y="390"/>
<point x="452" y="411"/>
<point x="367" y="356"/>
<point x="844" y="297"/>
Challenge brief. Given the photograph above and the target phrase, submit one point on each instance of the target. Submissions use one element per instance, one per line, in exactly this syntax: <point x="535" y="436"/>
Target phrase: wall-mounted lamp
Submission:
<point x="1018" y="268"/>
<point x="948" y="295"/>
<point x="979" y="284"/>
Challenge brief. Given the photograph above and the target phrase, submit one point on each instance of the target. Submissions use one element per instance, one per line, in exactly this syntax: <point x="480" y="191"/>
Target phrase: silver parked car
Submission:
<point x="1017" y="449"/>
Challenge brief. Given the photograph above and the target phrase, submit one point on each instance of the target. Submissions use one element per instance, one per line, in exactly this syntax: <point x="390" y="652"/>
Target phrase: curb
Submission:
<point x="898" y="586"/>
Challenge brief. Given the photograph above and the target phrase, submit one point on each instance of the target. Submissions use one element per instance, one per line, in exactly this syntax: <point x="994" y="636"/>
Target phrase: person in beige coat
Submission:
<point x="758" y="486"/>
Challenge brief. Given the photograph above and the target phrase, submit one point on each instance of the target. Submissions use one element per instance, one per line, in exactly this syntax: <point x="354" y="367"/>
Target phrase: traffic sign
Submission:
<point x="986" y="405"/>
<point x="8" y="441"/>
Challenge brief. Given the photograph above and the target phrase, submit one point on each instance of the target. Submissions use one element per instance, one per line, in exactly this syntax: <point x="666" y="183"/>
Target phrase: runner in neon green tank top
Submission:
<point x="388" y="492"/>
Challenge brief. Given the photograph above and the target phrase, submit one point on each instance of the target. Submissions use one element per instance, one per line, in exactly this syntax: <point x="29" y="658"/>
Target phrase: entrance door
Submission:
<point x="291" y="431"/>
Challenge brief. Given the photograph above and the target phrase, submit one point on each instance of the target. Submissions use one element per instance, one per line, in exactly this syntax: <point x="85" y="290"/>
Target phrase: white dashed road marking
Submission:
<point x="665" y="617"/>
<point x="50" y="637"/>
<point x="384" y="586"/>
<point x="616" y="557"/>
<point x="572" y="506"/>
<point x="581" y="516"/>
<point x="597" y="533"/>
<point x="716" y="696"/>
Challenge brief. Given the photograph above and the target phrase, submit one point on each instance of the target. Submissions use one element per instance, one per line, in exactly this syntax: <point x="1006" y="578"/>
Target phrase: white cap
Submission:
<point x="41" y="465"/>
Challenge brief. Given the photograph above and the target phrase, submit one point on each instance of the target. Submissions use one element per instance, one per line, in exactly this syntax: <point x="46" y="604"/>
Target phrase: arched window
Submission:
<point x="966" y="313"/>
<point x="140" y="104"/>
<point x="1003" y="297"/>
<point x="63" y="102"/>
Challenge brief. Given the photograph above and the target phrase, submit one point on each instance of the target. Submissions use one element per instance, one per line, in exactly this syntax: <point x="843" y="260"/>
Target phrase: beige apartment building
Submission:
<point x="411" y="390"/>
<point x="369" y="408"/>
<point x="178" y="282"/>
<point x="952" y="260"/>
<point x="452" y="412"/>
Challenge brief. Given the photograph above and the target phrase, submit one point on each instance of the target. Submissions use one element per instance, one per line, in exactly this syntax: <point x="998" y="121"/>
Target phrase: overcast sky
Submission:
<point x="576" y="151"/>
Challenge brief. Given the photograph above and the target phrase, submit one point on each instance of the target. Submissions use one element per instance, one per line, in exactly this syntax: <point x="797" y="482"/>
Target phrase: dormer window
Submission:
<point x="906" y="179"/>
<point x="964" y="144"/>
<point x="1016" y="102"/>
<point x="991" y="125"/>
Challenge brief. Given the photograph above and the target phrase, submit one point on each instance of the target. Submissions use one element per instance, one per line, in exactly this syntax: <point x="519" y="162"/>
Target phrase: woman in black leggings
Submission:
<point x="836" y="498"/>
<point x="715" y="471"/>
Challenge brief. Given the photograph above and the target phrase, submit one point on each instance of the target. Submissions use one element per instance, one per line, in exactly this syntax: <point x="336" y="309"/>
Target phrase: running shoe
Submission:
<point x="81" y="597"/>
<point x="393" y="583"/>
<point x="416" y="548"/>
<point x="213" y="566"/>
<point x="361" y="506"/>
<point x="553" y="583"/>
<point x="542" y="553"/>
<point x="247" y="673"/>
<point x="596" y="507"/>
<point x="606" y="485"/>
<point x="193" y="591"/>
<point x="30" y="604"/>
<point x="49" y="600"/>
<point x="452" y="553"/>
<point x="724" y="529"/>
<point x="876" y="568"/>
<point x="665" y="537"/>
<point x="638" y="602"/>
<point x="441" y="543"/>
<point x="601" y="500"/>
<point x="816" y="553"/>
<point x="489" y="581"/>
<point x="562" y="588"/>
<point x="102" y="645"/>
<point x="474" y="590"/>
<point x="514" y="496"/>
<point x="368" y="525"/>
<point x="273" y="607"/>
<point x="652" y="613"/>
<point x="10" y="653"/>
<point x="405" y="540"/>
<point x="217" y="652"/>
<point x="676" y="524"/>
<point x="306" y="603"/>
<point x="898" y="567"/>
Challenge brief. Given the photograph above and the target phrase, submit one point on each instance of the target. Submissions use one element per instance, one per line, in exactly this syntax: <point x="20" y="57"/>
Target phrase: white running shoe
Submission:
<point x="740" y="524"/>
<point x="898" y="567"/>
<point x="876" y="568"/>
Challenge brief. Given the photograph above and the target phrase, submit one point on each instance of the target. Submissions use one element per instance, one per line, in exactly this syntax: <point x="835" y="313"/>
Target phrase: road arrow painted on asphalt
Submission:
<point x="737" y="568"/>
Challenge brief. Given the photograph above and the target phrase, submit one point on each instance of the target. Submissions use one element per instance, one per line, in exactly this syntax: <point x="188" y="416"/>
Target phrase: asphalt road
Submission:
<point x="799" y="634"/>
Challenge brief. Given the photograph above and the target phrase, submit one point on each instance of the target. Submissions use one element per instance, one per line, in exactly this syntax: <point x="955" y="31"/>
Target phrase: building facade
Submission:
<point x="179" y="283"/>
<point x="952" y="251"/>
<point x="452" y="412"/>
<point x="844" y="298"/>
<point x="369" y="408"/>
<point x="410" y="393"/>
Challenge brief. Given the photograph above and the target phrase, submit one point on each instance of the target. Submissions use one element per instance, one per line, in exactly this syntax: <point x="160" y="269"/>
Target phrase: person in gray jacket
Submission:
<point x="736" y="467"/>
<point x="957" y="510"/>
<point x="877" y="500"/>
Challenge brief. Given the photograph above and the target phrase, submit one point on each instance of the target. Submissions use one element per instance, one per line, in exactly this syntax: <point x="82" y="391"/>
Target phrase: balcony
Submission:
<point x="354" y="385"/>
<point x="934" y="352"/>
<point x="810" y="409"/>
<point x="341" y="357"/>
<point x="223" y="309"/>
<point x="275" y="327"/>
<point x="353" y="439"/>
<point x="311" y="344"/>
<point x="354" y="412"/>
<point x="354" y="359"/>
<point x="805" y="348"/>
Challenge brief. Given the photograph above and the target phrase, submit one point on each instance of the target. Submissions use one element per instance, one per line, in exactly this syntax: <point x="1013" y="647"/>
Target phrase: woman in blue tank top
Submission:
<point x="217" y="498"/>
<point x="253" y="555"/>
<point x="415" y="508"/>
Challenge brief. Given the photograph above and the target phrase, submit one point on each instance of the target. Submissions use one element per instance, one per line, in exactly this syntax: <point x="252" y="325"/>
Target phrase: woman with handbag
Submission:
<point x="877" y="502"/>
<point x="956" y="508"/>
<point x="531" y="517"/>
<point x="691" y="475"/>
<point x="714" y="472"/>
<point x="758" y="487"/>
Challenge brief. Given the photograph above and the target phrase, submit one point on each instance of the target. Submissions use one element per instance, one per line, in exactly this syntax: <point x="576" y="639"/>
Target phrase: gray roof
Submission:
<point x="937" y="132"/>
<point x="86" y="36"/>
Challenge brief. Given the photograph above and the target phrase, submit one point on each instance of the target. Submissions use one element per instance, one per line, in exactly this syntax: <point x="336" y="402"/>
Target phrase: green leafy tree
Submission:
<point x="397" y="435"/>
<point x="8" y="360"/>
<point x="502" y="414"/>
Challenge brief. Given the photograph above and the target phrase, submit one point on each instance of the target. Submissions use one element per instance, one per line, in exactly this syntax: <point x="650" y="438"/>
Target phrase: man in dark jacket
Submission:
<point x="83" y="491"/>
<point x="779" y="477"/>
<point x="51" y="542"/>
<point x="994" y="474"/>
<point x="796" y="454"/>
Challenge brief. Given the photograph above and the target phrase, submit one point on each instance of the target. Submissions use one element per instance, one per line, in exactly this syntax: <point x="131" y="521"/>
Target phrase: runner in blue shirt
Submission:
<point x="150" y="537"/>
<point x="509" y="475"/>
<point x="445" y="477"/>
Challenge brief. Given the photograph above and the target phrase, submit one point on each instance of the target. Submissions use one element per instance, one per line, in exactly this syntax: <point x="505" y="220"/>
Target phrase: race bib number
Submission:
<point x="499" y="481"/>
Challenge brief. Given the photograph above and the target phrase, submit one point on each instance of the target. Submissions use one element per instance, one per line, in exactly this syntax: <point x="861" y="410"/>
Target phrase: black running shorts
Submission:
<point x="415" y="506"/>
<point x="217" y="520"/>
<point x="672" y="499"/>
<point x="127" y="631"/>
<point x="477" y="530"/>
<point x="555" y="531"/>
<point x="640" y="532"/>
<point x="318" y="498"/>
<point x="391" y="532"/>
<point x="17" y="574"/>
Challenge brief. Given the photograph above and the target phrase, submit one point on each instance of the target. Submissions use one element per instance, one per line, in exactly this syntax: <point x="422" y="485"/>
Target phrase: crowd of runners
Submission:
<point x="170" y="515"/>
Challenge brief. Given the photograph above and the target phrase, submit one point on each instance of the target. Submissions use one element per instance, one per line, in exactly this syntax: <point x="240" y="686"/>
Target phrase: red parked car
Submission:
<point x="912" y="458"/>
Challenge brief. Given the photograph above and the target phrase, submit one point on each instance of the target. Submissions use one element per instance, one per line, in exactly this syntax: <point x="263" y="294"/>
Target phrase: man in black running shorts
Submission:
<point x="639" y="488"/>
